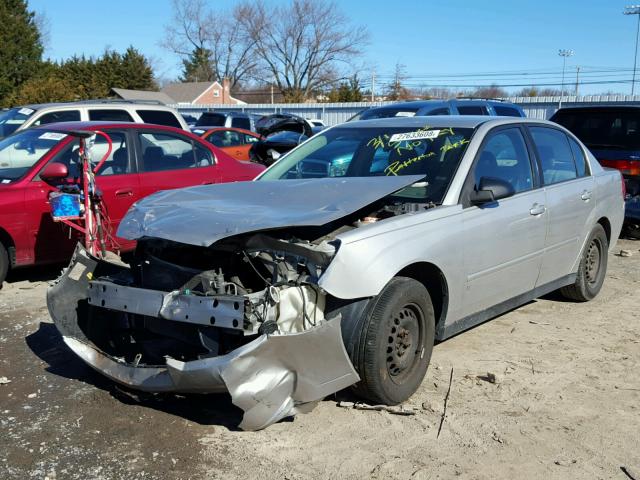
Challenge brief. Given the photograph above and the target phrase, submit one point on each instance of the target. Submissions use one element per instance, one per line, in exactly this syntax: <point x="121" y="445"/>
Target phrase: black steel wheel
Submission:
<point x="592" y="270"/>
<point x="395" y="343"/>
<point x="4" y="264"/>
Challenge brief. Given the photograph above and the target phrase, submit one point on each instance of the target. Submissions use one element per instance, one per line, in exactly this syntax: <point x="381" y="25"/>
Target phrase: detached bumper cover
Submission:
<point x="270" y="378"/>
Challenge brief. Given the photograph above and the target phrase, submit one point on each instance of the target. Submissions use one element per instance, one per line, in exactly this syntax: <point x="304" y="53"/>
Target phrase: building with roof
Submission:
<point x="142" y="95"/>
<point x="192" y="93"/>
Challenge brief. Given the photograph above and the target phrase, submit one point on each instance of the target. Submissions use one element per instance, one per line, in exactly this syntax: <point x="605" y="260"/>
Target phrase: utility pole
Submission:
<point x="373" y="85"/>
<point x="271" y="93"/>
<point x="577" y="79"/>
<point x="634" y="10"/>
<point x="564" y="54"/>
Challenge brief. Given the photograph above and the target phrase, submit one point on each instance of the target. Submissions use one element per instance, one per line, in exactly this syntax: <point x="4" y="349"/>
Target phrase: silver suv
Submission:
<point x="20" y="118"/>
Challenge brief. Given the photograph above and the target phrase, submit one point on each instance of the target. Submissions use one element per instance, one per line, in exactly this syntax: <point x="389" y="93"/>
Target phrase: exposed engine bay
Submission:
<point x="218" y="298"/>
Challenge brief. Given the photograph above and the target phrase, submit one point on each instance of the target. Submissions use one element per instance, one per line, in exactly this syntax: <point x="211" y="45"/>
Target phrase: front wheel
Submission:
<point x="4" y="264"/>
<point x="592" y="270"/>
<point x="395" y="343"/>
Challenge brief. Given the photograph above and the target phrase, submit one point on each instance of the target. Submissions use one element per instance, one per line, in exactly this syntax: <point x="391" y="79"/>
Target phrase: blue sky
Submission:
<point x="429" y="37"/>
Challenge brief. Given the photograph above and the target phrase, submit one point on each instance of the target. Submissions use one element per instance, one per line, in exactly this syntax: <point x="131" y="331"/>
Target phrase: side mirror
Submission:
<point x="54" y="172"/>
<point x="491" y="189"/>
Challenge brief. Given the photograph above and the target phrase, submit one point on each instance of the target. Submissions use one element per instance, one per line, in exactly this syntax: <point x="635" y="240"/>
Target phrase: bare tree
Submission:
<point x="396" y="90"/>
<point x="303" y="46"/>
<point x="212" y="39"/>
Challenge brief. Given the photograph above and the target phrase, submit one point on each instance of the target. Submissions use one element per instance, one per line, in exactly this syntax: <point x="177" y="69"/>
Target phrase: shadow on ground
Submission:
<point x="211" y="409"/>
<point x="44" y="273"/>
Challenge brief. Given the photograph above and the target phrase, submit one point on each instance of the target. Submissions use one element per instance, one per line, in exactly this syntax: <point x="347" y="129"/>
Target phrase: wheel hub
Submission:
<point x="592" y="262"/>
<point x="403" y="338"/>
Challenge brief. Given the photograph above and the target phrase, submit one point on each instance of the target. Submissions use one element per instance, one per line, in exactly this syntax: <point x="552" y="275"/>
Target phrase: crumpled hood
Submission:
<point x="203" y="215"/>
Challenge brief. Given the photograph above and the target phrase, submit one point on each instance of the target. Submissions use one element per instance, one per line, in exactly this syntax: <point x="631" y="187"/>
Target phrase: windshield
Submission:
<point x="614" y="129"/>
<point x="376" y="151"/>
<point x="10" y="120"/>
<point x="20" y="152"/>
<point x="211" y="120"/>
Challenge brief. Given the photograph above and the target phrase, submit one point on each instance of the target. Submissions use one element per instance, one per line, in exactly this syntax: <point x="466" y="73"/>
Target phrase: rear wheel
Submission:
<point x="592" y="270"/>
<point x="395" y="343"/>
<point x="4" y="263"/>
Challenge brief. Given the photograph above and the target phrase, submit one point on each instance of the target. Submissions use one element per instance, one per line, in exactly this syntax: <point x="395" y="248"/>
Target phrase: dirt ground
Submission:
<point x="565" y="404"/>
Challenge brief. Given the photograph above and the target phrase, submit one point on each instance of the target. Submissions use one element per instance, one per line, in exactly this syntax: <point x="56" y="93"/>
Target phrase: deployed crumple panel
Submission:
<point x="204" y="214"/>
<point x="270" y="378"/>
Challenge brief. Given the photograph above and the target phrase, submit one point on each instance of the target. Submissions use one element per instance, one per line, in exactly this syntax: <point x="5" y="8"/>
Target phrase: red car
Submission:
<point x="234" y="141"/>
<point x="145" y="159"/>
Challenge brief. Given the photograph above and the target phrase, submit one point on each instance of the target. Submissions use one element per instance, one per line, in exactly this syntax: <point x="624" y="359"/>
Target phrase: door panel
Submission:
<point x="568" y="213"/>
<point x="569" y="201"/>
<point x="54" y="241"/>
<point x="505" y="238"/>
<point x="504" y="250"/>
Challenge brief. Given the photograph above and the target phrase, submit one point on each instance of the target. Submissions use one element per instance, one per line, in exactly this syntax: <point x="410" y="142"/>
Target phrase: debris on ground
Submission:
<point x="625" y="253"/>
<point x="632" y="474"/>
<point x="489" y="377"/>
<point x="395" y="410"/>
<point x="4" y="380"/>
<point x="446" y="401"/>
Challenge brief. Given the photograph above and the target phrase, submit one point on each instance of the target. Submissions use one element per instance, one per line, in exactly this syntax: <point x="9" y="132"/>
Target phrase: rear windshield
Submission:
<point x="605" y="129"/>
<point x="10" y="120"/>
<point x="211" y="120"/>
<point x="388" y="112"/>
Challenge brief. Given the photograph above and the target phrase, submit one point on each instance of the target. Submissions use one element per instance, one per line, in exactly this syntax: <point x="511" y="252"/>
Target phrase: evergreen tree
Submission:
<point x="198" y="67"/>
<point x="20" y="46"/>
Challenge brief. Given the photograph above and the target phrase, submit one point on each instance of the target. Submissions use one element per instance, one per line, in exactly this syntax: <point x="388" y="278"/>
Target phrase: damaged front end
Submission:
<point x="244" y="316"/>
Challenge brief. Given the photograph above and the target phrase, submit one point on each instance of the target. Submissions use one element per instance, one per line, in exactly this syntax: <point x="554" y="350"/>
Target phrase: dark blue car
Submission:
<point x="612" y="133"/>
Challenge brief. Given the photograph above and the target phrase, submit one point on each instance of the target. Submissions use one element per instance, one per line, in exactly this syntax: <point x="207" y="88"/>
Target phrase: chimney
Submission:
<point x="226" y="91"/>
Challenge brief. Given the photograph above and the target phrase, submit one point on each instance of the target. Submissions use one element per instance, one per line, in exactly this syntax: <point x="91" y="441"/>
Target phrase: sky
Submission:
<point x="511" y="42"/>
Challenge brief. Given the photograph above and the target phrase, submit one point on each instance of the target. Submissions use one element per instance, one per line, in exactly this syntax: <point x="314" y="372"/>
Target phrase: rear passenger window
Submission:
<point x="505" y="156"/>
<point x="472" y="110"/>
<point x="555" y="155"/>
<point x="110" y="116"/>
<point x="241" y="122"/>
<point x="579" y="158"/>
<point x="439" y="111"/>
<point x="506" y="111"/>
<point x="162" y="151"/>
<point x="61" y="116"/>
<point x="159" y="117"/>
<point x="225" y="138"/>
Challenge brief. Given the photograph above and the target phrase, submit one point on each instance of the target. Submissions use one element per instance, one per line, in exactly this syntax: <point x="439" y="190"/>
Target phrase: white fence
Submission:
<point x="334" y="113"/>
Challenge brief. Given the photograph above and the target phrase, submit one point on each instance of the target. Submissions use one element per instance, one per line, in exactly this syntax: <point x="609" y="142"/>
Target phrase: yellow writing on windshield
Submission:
<point x="395" y="167"/>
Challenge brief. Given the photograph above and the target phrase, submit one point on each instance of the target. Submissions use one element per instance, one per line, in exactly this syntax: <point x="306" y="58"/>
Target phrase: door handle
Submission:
<point x="206" y="183"/>
<point x="126" y="192"/>
<point x="537" y="209"/>
<point x="586" y="195"/>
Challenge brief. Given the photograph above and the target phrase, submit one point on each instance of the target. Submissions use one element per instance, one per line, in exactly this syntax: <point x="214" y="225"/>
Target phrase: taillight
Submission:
<point x="627" y="167"/>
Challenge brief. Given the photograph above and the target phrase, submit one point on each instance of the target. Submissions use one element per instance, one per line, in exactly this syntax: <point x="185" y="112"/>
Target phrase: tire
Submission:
<point x="631" y="230"/>
<point x="4" y="264"/>
<point x="394" y="343"/>
<point x="592" y="270"/>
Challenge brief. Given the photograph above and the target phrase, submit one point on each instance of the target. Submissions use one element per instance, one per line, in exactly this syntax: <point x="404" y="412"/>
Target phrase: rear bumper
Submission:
<point x="632" y="209"/>
<point x="271" y="377"/>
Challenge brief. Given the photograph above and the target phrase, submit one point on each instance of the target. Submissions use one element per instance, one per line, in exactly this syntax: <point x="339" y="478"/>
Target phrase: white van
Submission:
<point x="20" y="118"/>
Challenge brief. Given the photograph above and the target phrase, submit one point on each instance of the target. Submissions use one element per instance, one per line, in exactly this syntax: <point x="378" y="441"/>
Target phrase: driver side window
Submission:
<point x="504" y="156"/>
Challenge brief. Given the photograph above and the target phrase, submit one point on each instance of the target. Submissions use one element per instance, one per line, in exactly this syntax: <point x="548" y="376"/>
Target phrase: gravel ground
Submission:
<point x="565" y="404"/>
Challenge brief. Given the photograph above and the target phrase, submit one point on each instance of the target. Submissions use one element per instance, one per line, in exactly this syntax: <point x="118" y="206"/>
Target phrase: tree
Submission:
<point x="492" y="91"/>
<point x="212" y="45"/>
<point x="197" y="67"/>
<point x="349" y="91"/>
<point x="20" y="46"/>
<point x="396" y="90"/>
<point x="303" y="46"/>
